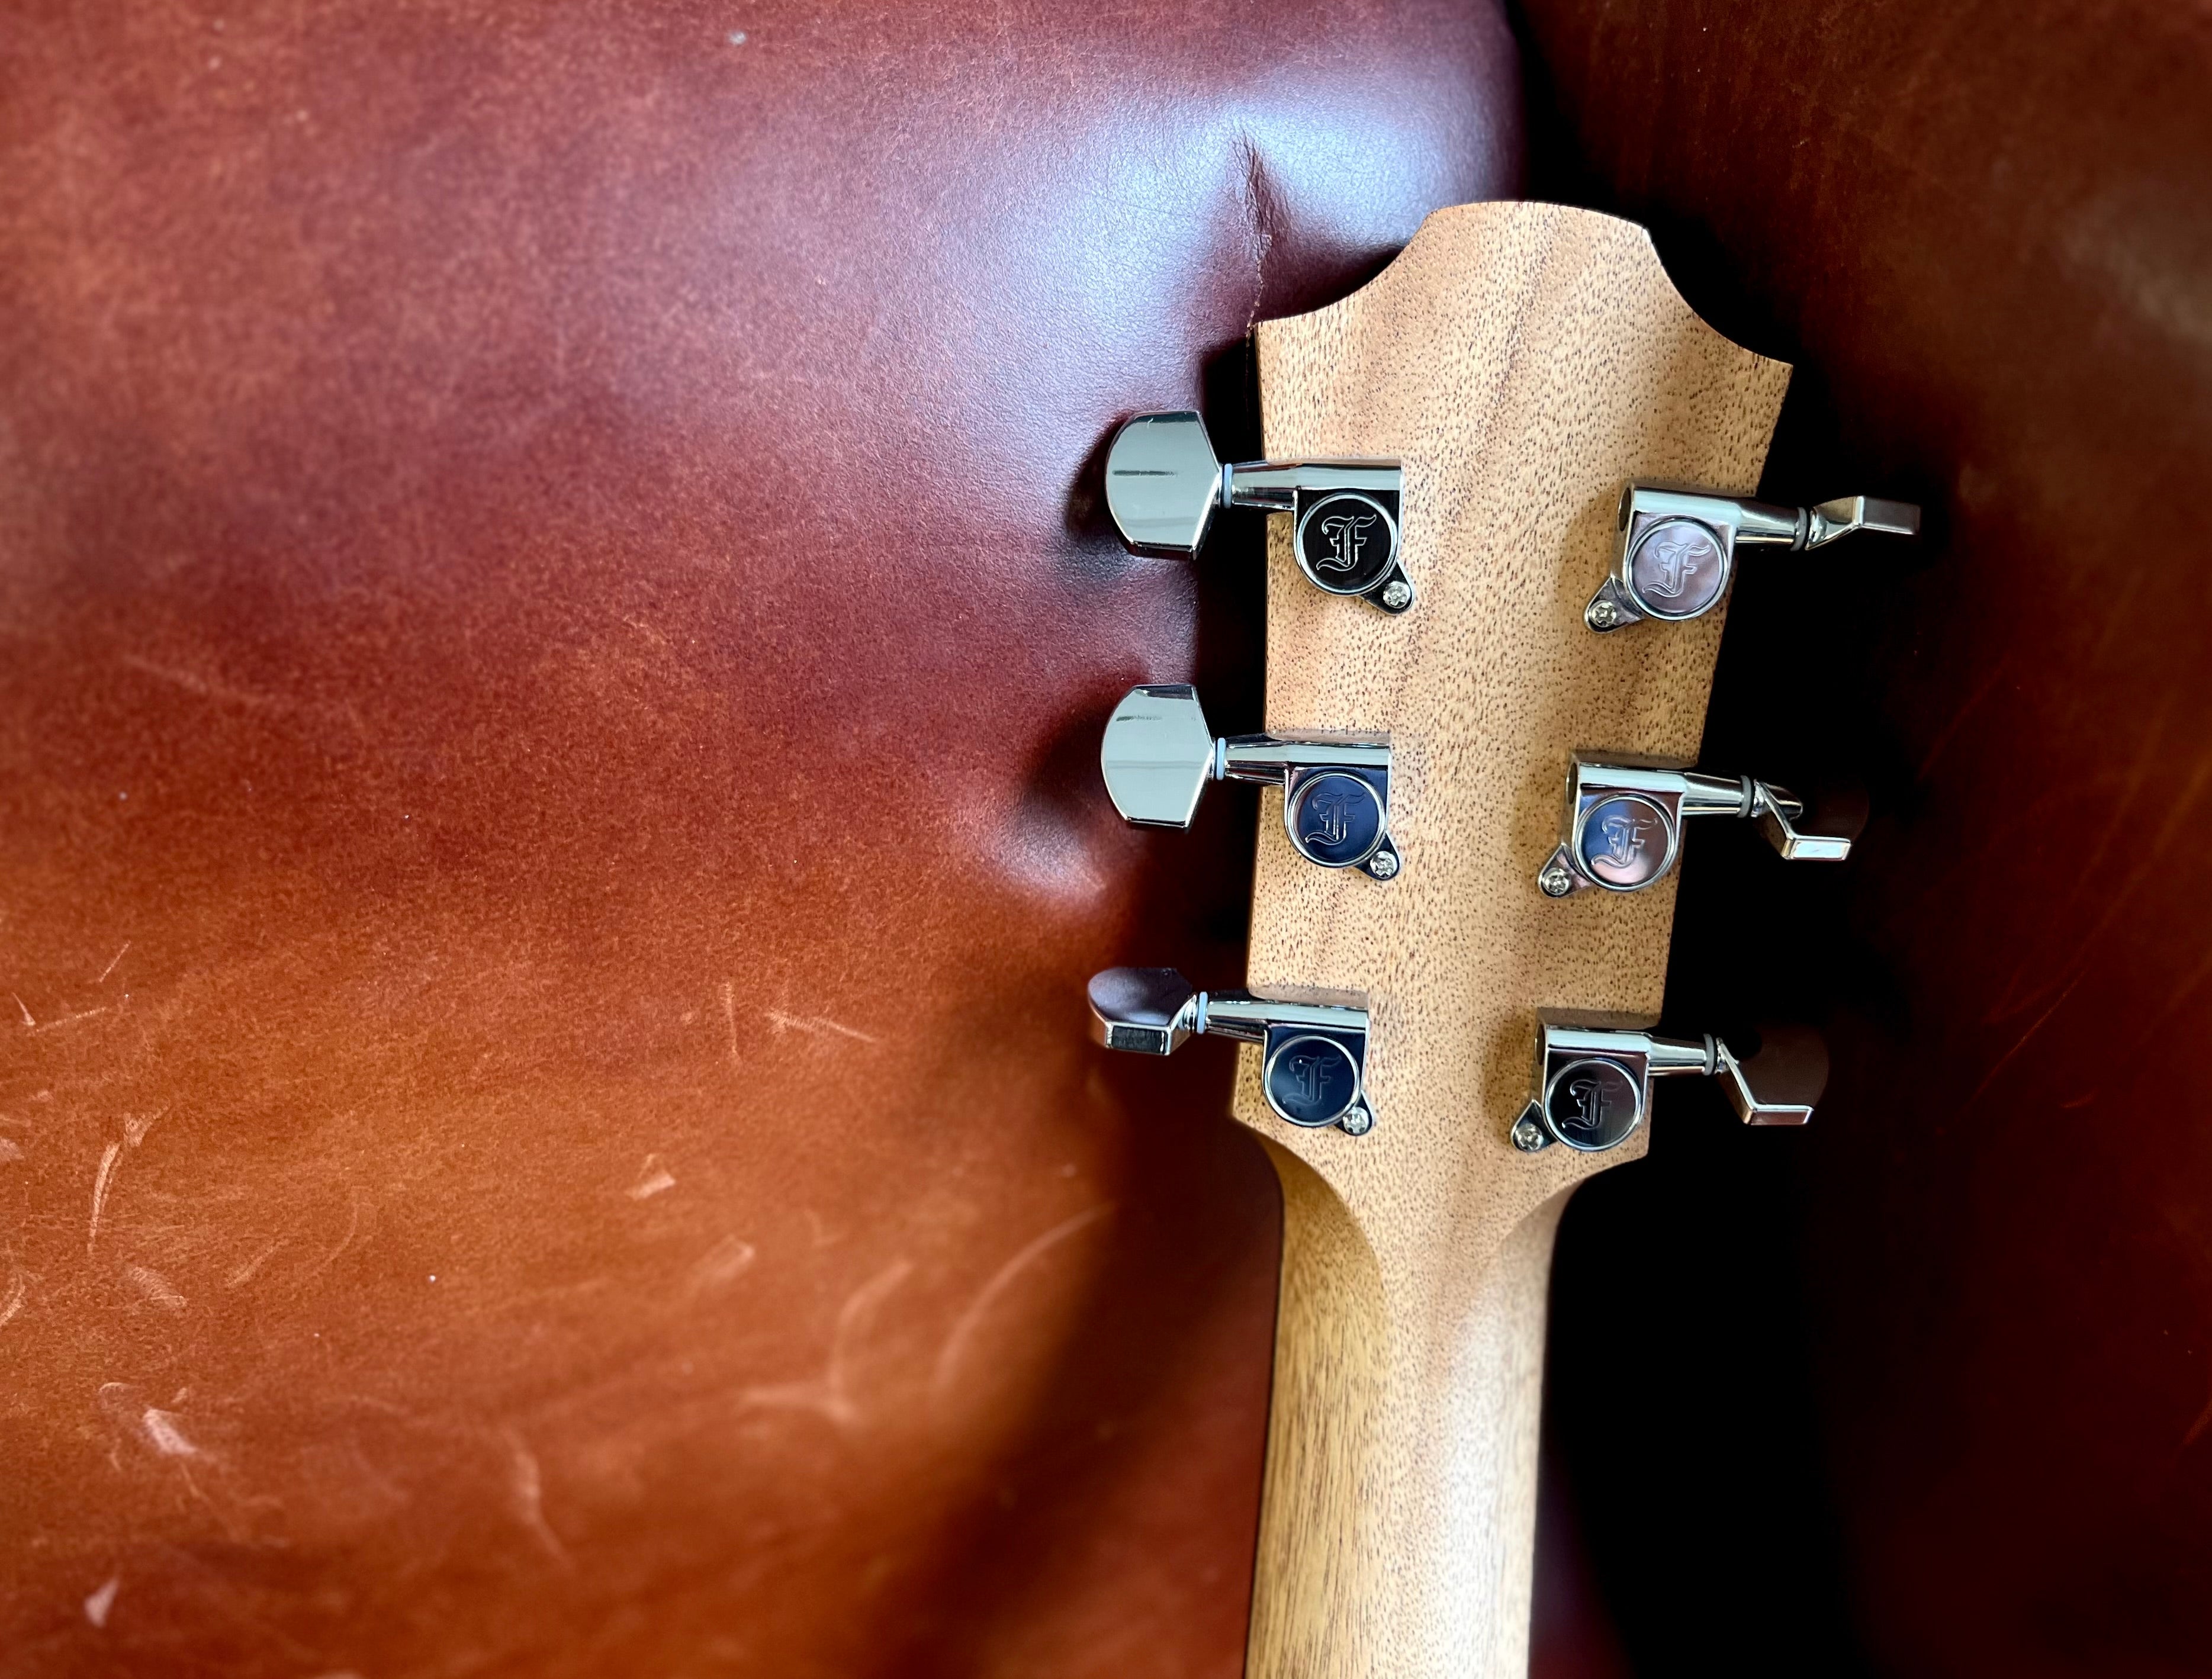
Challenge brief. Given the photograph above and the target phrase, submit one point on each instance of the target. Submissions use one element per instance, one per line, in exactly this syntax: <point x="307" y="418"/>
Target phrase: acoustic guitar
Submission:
<point x="1510" y="482"/>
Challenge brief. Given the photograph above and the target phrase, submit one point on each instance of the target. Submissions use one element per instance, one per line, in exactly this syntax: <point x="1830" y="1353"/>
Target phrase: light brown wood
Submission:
<point x="1524" y="361"/>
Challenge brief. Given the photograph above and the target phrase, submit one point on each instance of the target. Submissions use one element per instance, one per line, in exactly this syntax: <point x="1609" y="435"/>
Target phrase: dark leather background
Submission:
<point x="553" y="621"/>
<point x="1928" y="1389"/>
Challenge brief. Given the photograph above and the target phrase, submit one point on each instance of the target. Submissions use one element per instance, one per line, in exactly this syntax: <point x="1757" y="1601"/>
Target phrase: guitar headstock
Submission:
<point x="1472" y="802"/>
<point x="1524" y="363"/>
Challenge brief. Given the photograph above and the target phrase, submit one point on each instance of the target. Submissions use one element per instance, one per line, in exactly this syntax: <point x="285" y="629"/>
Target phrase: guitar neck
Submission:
<point x="1398" y="1519"/>
<point x="1523" y="362"/>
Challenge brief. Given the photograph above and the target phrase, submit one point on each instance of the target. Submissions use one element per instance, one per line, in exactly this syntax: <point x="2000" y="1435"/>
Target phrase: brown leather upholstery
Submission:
<point x="553" y="620"/>
<point x="1983" y="231"/>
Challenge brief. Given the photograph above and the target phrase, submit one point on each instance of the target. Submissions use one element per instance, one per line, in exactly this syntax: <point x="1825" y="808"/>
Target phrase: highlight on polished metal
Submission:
<point x="1313" y="1056"/>
<point x="1163" y="482"/>
<point x="1158" y="754"/>
<point x="1594" y="1079"/>
<point x="1677" y="546"/>
<point x="1622" y="828"/>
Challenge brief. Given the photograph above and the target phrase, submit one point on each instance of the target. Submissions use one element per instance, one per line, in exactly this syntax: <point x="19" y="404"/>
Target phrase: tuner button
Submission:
<point x="1677" y="547"/>
<point x="1623" y="827"/>
<point x="1779" y="813"/>
<point x="1313" y="1045"/>
<point x="1830" y="520"/>
<point x="1163" y="483"/>
<point x="1147" y="1011"/>
<point x="1780" y="1084"/>
<point x="1157" y="756"/>
<point x="1593" y="1083"/>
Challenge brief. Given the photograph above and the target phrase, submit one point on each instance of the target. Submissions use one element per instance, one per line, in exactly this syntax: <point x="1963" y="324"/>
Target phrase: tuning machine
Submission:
<point x="1622" y="829"/>
<point x="1313" y="1056"/>
<point x="1158" y="755"/>
<point x="1594" y="1079"/>
<point x="1677" y="547"/>
<point x="1163" y="482"/>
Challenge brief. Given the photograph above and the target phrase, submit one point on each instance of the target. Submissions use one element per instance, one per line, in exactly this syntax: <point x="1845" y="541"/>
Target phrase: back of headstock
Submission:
<point x="1517" y="467"/>
<point x="1524" y="363"/>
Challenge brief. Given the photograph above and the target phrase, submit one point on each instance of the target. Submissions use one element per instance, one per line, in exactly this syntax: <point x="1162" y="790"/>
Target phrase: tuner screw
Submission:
<point x="1602" y="615"/>
<point x="1398" y="594"/>
<point x="1528" y="1136"/>
<point x="1555" y="881"/>
<point x="1383" y="865"/>
<point x="1357" y="1122"/>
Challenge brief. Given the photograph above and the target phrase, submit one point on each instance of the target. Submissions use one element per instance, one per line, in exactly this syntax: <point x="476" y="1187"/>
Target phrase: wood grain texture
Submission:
<point x="1524" y="360"/>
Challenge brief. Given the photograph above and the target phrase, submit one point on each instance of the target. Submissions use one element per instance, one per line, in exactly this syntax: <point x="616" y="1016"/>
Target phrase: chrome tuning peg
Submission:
<point x="1623" y="825"/>
<point x="1158" y="755"/>
<point x="1163" y="482"/>
<point x="1594" y="1080"/>
<point x="1677" y="547"/>
<point x="1313" y="1059"/>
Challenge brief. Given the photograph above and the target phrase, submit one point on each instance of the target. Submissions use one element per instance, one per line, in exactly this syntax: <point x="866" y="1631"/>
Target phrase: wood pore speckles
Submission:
<point x="1524" y="361"/>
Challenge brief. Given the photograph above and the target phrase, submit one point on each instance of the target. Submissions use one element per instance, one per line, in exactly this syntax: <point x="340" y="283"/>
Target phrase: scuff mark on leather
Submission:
<point x="1257" y="196"/>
